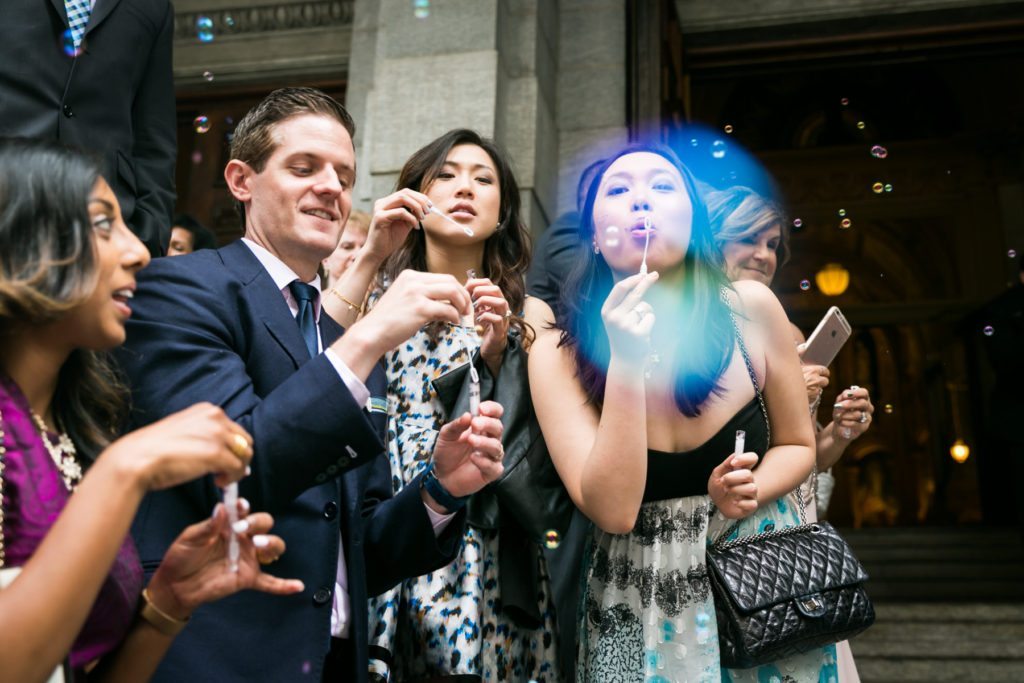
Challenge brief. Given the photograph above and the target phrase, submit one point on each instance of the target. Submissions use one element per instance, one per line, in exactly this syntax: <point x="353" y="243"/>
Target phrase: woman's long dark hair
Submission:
<point x="705" y="336"/>
<point x="506" y="252"/>
<point x="47" y="267"/>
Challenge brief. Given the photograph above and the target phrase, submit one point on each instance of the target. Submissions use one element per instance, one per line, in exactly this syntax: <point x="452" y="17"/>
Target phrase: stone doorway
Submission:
<point x="942" y="92"/>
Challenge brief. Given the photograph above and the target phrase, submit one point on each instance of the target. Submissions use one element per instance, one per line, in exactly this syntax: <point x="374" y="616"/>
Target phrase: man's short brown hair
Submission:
<point x="253" y="140"/>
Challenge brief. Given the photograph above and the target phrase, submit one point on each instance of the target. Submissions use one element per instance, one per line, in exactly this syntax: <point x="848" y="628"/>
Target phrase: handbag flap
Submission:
<point x="762" y="571"/>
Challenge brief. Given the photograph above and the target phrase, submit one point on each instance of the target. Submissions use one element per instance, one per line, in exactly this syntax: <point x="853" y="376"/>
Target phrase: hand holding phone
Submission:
<point x="826" y="340"/>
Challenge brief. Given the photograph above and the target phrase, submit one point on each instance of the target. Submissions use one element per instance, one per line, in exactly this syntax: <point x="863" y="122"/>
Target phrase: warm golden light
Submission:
<point x="960" y="451"/>
<point x="833" y="279"/>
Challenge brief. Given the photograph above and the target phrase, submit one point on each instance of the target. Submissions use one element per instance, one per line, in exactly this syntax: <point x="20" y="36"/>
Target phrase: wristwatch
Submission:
<point x="438" y="492"/>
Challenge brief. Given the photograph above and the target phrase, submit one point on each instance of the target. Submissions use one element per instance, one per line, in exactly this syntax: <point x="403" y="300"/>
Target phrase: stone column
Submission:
<point x="489" y="65"/>
<point x="591" y="88"/>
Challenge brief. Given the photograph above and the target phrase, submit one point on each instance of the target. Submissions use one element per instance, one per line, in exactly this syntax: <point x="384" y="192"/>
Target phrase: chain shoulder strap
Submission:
<point x="720" y="543"/>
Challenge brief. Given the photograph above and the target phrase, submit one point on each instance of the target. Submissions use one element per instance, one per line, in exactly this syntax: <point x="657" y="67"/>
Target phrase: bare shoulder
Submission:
<point x="539" y="315"/>
<point x="758" y="302"/>
<point x="545" y="348"/>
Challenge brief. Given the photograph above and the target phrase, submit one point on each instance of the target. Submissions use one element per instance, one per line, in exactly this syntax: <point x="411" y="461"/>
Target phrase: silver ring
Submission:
<point x="863" y="417"/>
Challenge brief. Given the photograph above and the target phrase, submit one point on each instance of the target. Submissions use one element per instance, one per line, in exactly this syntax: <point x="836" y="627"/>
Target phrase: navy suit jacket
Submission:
<point x="213" y="326"/>
<point x="115" y="99"/>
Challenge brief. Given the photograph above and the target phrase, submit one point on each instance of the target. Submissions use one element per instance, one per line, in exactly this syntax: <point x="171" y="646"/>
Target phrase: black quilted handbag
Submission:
<point x="780" y="593"/>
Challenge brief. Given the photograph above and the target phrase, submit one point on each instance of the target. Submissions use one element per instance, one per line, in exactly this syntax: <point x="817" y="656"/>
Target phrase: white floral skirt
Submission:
<point x="647" y="613"/>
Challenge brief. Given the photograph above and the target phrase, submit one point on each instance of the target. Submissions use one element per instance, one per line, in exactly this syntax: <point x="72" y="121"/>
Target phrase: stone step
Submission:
<point x="930" y="612"/>
<point x="902" y="670"/>
<point x="945" y="590"/>
<point x="951" y="640"/>
<point x="917" y="642"/>
<point x="924" y="534"/>
<point x="968" y="571"/>
<point x="925" y="553"/>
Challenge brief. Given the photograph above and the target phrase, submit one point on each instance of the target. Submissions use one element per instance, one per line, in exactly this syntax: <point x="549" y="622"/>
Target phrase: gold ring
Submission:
<point x="239" y="446"/>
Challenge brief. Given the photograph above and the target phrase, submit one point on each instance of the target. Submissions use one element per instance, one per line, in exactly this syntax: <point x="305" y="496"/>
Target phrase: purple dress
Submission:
<point x="34" y="496"/>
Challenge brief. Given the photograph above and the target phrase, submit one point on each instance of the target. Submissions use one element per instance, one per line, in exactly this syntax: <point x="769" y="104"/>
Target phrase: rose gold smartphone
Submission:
<point x="828" y="337"/>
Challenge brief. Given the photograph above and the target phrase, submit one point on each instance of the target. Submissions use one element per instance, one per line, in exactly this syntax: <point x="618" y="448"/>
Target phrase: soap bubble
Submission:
<point x="307" y="667"/>
<point x="229" y="21"/>
<point x="888" y="409"/>
<point x="888" y="187"/>
<point x="805" y="285"/>
<point x="694" y="142"/>
<point x="1012" y="253"/>
<point x="988" y="330"/>
<point x="421" y="13"/>
<point x="877" y="188"/>
<point x="845" y="223"/>
<point x="879" y="152"/>
<point x="797" y="223"/>
<point x="551" y="539"/>
<point x="611" y="236"/>
<point x="201" y="124"/>
<point x="208" y="76"/>
<point x="728" y="128"/>
<point x="718" y="149"/>
<point x="842" y="212"/>
<point x="204" y="29"/>
<point x="68" y="44"/>
<point x="860" y="125"/>
<point x="845" y="101"/>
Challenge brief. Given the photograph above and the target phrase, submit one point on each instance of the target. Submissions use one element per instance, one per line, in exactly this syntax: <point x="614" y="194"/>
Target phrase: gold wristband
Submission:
<point x="158" y="619"/>
<point x="352" y="306"/>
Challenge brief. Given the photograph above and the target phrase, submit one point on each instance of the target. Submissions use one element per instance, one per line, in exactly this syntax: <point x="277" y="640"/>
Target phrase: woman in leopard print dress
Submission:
<point x="452" y="624"/>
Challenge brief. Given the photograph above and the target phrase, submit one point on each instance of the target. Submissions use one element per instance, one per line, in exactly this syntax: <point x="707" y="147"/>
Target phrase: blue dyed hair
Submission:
<point x="705" y="338"/>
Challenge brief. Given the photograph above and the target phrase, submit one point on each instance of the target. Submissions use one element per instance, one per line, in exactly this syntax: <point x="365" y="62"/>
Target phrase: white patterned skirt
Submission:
<point x="647" y="613"/>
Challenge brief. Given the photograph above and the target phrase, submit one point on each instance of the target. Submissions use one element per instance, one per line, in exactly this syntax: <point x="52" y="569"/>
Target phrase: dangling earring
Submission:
<point x="597" y="250"/>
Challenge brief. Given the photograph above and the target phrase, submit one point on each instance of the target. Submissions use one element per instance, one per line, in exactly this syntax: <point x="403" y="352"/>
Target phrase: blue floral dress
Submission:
<point x="449" y="622"/>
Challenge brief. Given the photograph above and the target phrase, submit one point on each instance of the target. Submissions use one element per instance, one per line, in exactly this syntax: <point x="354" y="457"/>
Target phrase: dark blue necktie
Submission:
<point x="306" y="296"/>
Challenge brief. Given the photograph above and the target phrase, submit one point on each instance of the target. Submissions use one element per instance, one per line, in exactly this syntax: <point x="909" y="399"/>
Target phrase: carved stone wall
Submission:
<point x="261" y="41"/>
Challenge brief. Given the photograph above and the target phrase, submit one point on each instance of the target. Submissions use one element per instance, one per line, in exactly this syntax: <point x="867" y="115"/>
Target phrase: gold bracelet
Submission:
<point x="352" y="306"/>
<point x="158" y="619"/>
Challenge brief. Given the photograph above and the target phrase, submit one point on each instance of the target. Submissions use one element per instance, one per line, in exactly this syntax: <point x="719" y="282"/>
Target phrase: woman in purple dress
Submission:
<point x="67" y="274"/>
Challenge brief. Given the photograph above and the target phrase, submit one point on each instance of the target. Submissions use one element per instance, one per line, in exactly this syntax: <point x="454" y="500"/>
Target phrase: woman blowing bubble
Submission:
<point x="459" y="202"/>
<point x="640" y="396"/>
<point x="67" y="274"/>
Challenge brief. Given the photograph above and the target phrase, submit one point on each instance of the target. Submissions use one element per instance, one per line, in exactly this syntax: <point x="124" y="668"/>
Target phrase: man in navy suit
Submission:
<point x="240" y="327"/>
<point x="100" y="81"/>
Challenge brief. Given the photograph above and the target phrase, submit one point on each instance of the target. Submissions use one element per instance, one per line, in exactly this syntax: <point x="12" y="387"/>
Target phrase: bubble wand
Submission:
<point x="464" y="228"/>
<point x="647" y="241"/>
<point x="231" y="503"/>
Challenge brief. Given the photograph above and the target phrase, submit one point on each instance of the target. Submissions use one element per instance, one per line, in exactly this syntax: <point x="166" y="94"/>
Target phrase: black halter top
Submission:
<point x="678" y="475"/>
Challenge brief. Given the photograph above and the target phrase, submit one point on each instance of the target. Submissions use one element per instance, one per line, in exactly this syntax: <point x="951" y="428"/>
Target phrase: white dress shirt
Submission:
<point x="283" y="276"/>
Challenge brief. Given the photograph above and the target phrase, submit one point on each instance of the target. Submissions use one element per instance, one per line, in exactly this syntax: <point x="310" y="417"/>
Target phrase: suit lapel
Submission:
<point x="62" y="11"/>
<point x="100" y="12"/>
<point x="263" y="296"/>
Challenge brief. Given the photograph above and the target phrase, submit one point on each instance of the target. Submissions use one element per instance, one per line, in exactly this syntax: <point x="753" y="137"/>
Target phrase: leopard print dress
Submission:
<point x="448" y="623"/>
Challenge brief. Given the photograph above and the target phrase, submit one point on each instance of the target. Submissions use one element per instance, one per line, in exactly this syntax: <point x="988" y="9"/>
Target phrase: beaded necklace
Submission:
<point x="62" y="453"/>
